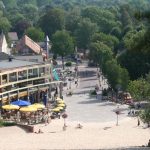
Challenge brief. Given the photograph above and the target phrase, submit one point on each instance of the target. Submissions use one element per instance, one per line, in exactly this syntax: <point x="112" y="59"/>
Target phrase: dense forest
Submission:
<point x="116" y="32"/>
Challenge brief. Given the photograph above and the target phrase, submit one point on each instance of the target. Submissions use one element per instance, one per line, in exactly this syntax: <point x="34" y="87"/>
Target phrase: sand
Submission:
<point x="91" y="136"/>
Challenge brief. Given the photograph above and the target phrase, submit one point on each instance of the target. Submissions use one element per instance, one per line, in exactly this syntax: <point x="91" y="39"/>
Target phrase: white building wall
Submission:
<point x="4" y="48"/>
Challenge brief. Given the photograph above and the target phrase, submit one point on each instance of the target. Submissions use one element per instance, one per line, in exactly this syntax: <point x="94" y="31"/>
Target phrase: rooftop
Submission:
<point x="3" y="56"/>
<point x="5" y="64"/>
<point x="26" y="41"/>
<point x="13" y="36"/>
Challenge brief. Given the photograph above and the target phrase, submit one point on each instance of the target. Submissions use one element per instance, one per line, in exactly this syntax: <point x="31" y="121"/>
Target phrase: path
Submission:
<point x="84" y="108"/>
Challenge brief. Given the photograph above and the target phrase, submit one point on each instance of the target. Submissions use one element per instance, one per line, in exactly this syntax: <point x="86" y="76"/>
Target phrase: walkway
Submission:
<point x="84" y="108"/>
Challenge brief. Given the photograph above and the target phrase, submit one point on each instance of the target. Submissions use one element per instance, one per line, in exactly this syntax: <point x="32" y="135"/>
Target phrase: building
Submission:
<point x="13" y="38"/>
<point x="27" y="49"/>
<point x="3" y="45"/>
<point x="27" y="46"/>
<point x="26" y="80"/>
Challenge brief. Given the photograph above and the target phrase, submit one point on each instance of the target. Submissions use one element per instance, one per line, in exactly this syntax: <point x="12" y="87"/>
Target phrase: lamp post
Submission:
<point x="117" y="111"/>
<point x="64" y="116"/>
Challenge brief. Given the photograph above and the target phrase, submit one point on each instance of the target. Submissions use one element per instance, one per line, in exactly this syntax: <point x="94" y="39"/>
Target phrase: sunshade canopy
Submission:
<point x="10" y="107"/>
<point x="28" y="109"/>
<point x="21" y="103"/>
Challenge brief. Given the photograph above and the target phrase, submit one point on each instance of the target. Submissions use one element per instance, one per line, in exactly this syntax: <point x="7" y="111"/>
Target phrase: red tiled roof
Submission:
<point x="26" y="41"/>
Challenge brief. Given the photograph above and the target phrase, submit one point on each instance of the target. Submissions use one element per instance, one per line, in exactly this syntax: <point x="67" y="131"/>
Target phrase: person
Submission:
<point x="148" y="143"/>
<point x="138" y="122"/>
<point x="39" y="131"/>
<point x="138" y="106"/>
<point x="45" y="117"/>
<point x="96" y="87"/>
<point x="79" y="126"/>
<point x="76" y="82"/>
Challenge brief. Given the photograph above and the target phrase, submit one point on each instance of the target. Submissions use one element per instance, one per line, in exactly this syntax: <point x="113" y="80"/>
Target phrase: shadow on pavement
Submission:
<point x="89" y="79"/>
<point x="85" y="74"/>
<point x="89" y="102"/>
<point x="104" y="103"/>
<point x="82" y="92"/>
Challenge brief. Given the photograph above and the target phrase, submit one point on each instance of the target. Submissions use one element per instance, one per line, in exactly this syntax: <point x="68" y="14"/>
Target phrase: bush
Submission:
<point x="68" y="64"/>
<point x="93" y="92"/>
<point x="145" y="116"/>
<point x="104" y="93"/>
<point x="6" y="124"/>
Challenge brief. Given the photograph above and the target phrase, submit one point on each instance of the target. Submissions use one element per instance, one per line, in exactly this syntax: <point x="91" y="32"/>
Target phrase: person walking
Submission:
<point x="138" y="124"/>
<point x="148" y="143"/>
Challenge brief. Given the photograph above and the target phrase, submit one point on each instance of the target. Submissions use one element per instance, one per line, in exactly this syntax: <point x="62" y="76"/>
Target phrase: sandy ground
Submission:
<point x="91" y="136"/>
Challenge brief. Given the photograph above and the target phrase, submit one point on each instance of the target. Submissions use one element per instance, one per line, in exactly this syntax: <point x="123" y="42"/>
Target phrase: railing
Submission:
<point x="24" y="80"/>
<point x="27" y="87"/>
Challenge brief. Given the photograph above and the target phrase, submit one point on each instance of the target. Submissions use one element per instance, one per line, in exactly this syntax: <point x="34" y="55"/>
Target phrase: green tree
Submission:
<point x="4" y="24"/>
<point x="62" y="44"/>
<point x="139" y="89"/>
<point x="84" y="33"/>
<point x="72" y="20"/>
<point x="23" y="2"/>
<point x="100" y="53"/>
<point x="145" y="116"/>
<point x="126" y="18"/>
<point x="30" y="12"/>
<point x="102" y="17"/>
<point x="109" y="40"/>
<point x="52" y="21"/>
<point x="21" y="26"/>
<point x="116" y="75"/>
<point x="10" y="3"/>
<point x="43" y="2"/>
<point x="35" y="34"/>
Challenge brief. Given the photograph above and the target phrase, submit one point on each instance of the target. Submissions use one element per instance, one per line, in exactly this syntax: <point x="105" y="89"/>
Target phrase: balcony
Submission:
<point x="12" y="78"/>
<point x="32" y="75"/>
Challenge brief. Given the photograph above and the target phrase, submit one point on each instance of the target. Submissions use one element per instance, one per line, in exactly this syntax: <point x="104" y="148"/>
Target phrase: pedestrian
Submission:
<point x="138" y="122"/>
<point x="148" y="143"/>
<point x="133" y="112"/>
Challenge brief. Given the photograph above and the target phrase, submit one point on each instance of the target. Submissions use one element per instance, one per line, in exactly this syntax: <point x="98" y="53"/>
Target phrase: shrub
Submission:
<point x="104" y="93"/>
<point x="93" y="92"/>
<point x="68" y="64"/>
<point x="6" y="124"/>
<point x="145" y="116"/>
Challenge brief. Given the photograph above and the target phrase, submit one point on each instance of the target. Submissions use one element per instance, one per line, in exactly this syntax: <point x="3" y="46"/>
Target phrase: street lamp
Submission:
<point x="117" y="111"/>
<point x="69" y="83"/>
<point x="64" y="116"/>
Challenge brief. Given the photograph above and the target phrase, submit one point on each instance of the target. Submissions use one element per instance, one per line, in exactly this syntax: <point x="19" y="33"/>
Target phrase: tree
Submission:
<point x="10" y="3"/>
<point x="102" y="17"/>
<point x="4" y="24"/>
<point x="100" y="53"/>
<point x="35" y="34"/>
<point x="62" y="44"/>
<point x="22" y="2"/>
<point x="145" y="116"/>
<point x="52" y="21"/>
<point x="21" y="26"/>
<point x="109" y="40"/>
<point x="30" y="12"/>
<point x="43" y="2"/>
<point x="139" y="89"/>
<point x="72" y="20"/>
<point x="84" y="33"/>
<point x="116" y="31"/>
<point x="126" y="18"/>
<point x="15" y="17"/>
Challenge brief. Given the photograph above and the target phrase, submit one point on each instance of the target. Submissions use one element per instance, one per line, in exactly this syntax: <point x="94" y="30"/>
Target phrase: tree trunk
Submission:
<point x="63" y="62"/>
